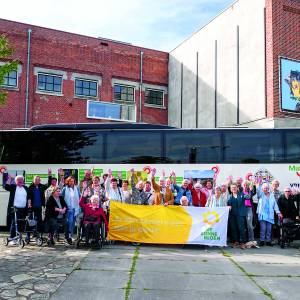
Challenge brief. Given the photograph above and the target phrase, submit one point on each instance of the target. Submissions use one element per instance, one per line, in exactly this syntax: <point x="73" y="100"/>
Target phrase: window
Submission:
<point x="193" y="147"/>
<point x="252" y="146"/>
<point x="10" y="79"/>
<point x="292" y="145"/>
<point x="124" y="93"/>
<point x="86" y="88"/>
<point x="50" y="83"/>
<point x="154" y="97"/>
<point x="133" y="146"/>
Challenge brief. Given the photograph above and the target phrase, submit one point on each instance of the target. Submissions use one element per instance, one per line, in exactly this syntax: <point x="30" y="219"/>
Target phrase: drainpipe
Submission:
<point x="27" y="78"/>
<point x="141" y="86"/>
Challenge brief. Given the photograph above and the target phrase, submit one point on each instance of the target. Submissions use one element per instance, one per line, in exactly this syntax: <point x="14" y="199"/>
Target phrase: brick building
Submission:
<point x="75" y="78"/>
<point x="241" y="69"/>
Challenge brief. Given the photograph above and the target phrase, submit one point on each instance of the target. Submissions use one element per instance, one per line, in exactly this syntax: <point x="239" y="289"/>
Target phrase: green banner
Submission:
<point x="29" y="177"/>
<point x="96" y="172"/>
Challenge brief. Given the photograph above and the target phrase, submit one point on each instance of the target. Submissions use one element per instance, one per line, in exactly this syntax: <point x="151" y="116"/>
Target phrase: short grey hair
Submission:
<point x="19" y="177"/>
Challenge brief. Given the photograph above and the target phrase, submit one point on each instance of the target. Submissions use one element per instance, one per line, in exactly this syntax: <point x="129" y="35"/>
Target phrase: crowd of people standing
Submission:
<point x="65" y="202"/>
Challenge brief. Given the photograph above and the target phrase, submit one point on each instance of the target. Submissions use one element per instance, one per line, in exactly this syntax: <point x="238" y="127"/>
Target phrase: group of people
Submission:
<point x="64" y="202"/>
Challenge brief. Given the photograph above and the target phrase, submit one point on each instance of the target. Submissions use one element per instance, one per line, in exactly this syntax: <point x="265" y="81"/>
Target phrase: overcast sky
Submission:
<point x="157" y="24"/>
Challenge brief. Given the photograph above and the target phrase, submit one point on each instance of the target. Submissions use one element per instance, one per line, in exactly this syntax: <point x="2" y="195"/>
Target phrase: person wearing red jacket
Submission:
<point x="92" y="214"/>
<point x="198" y="197"/>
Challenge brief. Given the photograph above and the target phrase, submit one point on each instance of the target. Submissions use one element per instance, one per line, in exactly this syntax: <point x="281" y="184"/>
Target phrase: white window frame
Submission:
<point x="85" y="96"/>
<point x="43" y="71"/>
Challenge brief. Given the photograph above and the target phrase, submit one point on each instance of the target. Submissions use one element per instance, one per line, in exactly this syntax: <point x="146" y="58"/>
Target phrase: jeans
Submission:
<point x="265" y="231"/>
<point x="249" y="219"/>
<point x="70" y="223"/>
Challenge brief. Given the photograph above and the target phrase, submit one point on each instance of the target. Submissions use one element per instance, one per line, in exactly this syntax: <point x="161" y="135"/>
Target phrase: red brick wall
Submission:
<point x="75" y="53"/>
<point x="282" y="39"/>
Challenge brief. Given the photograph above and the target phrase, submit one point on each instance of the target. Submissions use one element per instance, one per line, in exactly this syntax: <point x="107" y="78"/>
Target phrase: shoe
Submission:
<point x="261" y="244"/>
<point x="242" y="246"/>
<point x="68" y="241"/>
<point x="269" y="244"/>
<point x="235" y="245"/>
<point x="135" y="244"/>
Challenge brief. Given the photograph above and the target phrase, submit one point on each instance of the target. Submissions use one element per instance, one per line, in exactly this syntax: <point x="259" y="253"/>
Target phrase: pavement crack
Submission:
<point x="249" y="275"/>
<point x="131" y="272"/>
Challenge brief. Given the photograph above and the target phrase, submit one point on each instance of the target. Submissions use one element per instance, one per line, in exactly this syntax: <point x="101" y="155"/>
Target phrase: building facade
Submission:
<point x="241" y="69"/>
<point x="64" y="78"/>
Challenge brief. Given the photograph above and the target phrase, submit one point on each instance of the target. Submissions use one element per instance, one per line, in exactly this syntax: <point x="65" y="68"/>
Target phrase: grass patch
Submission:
<point x="204" y="260"/>
<point x="131" y="272"/>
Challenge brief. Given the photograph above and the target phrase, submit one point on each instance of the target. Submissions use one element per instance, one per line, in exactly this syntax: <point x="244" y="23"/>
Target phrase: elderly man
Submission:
<point x="113" y="192"/>
<point x="18" y="198"/>
<point x="182" y="190"/>
<point x="287" y="206"/>
<point x="184" y="201"/>
<point x="162" y="194"/>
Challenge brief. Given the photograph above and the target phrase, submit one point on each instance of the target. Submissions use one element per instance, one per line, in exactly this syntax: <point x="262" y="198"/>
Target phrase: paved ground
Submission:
<point x="149" y="272"/>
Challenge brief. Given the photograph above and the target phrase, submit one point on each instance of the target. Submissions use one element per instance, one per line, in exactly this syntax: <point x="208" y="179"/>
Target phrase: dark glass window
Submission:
<point x="193" y="146"/>
<point x="86" y="88"/>
<point x="49" y="83"/>
<point x="154" y="97"/>
<point x="124" y="93"/>
<point x="10" y="79"/>
<point x="292" y="146"/>
<point x="253" y="146"/>
<point x="134" y="147"/>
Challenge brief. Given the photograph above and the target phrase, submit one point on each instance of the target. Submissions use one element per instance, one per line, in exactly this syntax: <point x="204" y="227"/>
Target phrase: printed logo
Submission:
<point x="211" y="218"/>
<point x="294" y="168"/>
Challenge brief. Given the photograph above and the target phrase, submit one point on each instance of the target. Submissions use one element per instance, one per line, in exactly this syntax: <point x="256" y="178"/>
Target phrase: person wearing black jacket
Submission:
<point x="287" y="206"/>
<point x="55" y="213"/>
<point x="18" y="198"/>
<point x="36" y="197"/>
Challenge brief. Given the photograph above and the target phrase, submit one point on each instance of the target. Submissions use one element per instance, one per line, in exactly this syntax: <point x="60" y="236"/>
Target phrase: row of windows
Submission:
<point x="87" y="88"/>
<point x="152" y="146"/>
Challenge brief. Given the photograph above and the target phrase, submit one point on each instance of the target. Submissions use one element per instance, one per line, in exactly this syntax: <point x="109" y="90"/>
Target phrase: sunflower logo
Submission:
<point x="211" y="217"/>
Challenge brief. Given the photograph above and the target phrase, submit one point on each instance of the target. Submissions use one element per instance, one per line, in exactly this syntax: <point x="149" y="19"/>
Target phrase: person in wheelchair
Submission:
<point x="92" y="216"/>
<point x="287" y="206"/>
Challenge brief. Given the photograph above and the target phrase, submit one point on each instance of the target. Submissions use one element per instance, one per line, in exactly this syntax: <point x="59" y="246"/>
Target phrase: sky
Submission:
<point x="156" y="24"/>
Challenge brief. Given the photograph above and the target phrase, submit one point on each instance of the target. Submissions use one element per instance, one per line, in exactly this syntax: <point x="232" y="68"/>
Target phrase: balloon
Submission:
<point x="147" y="169"/>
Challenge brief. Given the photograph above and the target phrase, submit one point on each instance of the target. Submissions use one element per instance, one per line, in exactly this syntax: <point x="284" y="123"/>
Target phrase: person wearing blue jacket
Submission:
<point x="183" y="190"/>
<point x="265" y="210"/>
<point x="237" y="216"/>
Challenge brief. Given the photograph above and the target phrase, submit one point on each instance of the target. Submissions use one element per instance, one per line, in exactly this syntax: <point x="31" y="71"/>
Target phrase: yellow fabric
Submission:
<point x="149" y="224"/>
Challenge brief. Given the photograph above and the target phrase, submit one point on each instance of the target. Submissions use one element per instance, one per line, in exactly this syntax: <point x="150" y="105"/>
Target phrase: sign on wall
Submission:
<point x="290" y="85"/>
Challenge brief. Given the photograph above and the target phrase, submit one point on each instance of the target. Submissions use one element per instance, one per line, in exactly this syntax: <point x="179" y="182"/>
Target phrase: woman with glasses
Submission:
<point x="287" y="206"/>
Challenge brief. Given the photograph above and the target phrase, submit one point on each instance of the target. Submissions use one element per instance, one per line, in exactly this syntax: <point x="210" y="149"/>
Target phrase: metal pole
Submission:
<point x="141" y="86"/>
<point x="27" y="78"/>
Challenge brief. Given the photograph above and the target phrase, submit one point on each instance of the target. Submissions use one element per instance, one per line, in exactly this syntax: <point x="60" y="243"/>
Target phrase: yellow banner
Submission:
<point x="149" y="224"/>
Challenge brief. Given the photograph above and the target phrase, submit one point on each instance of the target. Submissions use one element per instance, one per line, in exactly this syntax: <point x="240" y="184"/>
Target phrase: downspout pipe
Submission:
<point x="27" y="76"/>
<point x="141" y="85"/>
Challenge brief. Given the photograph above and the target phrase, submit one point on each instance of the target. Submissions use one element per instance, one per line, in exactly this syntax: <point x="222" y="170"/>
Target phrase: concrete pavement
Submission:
<point x="123" y="271"/>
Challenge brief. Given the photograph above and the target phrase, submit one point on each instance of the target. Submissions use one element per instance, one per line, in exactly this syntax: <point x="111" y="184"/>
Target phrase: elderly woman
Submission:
<point x="182" y="190"/>
<point x="162" y="194"/>
<point x="139" y="196"/>
<point x="249" y="191"/>
<point x="92" y="214"/>
<point x="265" y="210"/>
<point x="71" y="195"/>
<point x="55" y="213"/>
<point x="217" y="199"/>
<point x="237" y="216"/>
<point x="184" y="201"/>
<point x="198" y="196"/>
